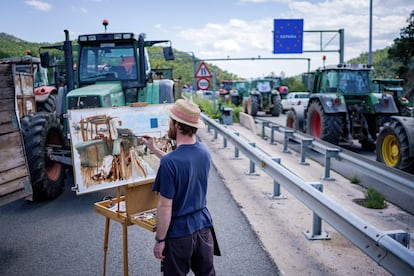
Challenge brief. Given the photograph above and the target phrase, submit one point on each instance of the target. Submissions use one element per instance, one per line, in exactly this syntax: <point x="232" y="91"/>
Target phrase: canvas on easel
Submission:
<point x="107" y="150"/>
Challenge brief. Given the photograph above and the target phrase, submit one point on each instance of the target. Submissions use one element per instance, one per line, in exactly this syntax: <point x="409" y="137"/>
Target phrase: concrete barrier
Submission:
<point x="247" y="121"/>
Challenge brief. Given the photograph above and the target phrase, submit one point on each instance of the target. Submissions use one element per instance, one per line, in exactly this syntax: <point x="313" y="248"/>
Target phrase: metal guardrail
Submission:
<point x="377" y="244"/>
<point x="386" y="179"/>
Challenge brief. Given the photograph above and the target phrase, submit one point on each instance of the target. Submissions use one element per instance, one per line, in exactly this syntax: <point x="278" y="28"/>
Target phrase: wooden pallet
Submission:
<point x="14" y="171"/>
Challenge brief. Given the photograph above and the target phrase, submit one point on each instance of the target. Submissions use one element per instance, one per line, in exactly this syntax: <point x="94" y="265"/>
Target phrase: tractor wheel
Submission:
<point x="393" y="147"/>
<point x="49" y="105"/>
<point x="323" y="126"/>
<point x="292" y="120"/>
<point x="42" y="131"/>
<point x="235" y="100"/>
<point x="277" y="106"/>
<point x="252" y="105"/>
<point x="244" y="104"/>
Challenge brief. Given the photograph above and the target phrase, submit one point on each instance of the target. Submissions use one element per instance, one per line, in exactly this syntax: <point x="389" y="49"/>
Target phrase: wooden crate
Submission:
<point x="139" y="200"/>
<point x="14" y="171"/>
<point x="23" y="83"/>
<point x="26" y="104"/>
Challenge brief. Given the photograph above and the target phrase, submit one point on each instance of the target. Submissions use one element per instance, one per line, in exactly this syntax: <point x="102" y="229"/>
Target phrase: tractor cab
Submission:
<point x="112" y="69"/>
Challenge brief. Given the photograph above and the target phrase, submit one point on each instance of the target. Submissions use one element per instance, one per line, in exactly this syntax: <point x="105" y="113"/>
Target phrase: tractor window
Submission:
<point x="354" y="82"/>
<point x="227" y="85"/>
<point x="276" y="83"/>
<point x="239" y="85"/>
<point x="109" y="63"/>
<point x="376" y="88"/>
<point x="263" y="87"/>
<point x="331" y="82"/>
<point x="41" y="77"/>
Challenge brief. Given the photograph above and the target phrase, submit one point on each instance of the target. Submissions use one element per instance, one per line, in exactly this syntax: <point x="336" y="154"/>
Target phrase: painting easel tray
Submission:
<point x="137" y="206"/>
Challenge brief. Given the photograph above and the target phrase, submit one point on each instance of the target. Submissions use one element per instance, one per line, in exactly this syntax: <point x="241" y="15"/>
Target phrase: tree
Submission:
<point x="403" y="48"/>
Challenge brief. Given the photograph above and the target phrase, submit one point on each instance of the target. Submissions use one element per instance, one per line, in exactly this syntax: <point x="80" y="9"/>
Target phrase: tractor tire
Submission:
<point x="244" y="104"/>
<point x="49" y="105"/>
<point x="41" y="130"/>
<point x="252" y="106"/>
<point x="393" y="147"/>
<point x="277" y="106"/>
<point x="291" y="120"/>
<point x="326" y="127"/>
<point x="235" y="100"/>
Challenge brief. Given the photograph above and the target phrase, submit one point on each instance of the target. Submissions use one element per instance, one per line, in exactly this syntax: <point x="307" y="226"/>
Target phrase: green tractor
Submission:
<point x="264" y="96"/>
<point x="239" y="91"/>
<point x="342" y="107"/>
<point x="394" y="87"/>
<point x="111" y="70"/>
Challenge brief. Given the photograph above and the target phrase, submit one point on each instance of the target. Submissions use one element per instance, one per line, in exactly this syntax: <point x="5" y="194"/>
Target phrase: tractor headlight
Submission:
<point x="329" y="103"/>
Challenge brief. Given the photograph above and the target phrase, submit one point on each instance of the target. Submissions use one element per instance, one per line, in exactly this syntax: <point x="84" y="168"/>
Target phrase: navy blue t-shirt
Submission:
<point x="183" y="177"/>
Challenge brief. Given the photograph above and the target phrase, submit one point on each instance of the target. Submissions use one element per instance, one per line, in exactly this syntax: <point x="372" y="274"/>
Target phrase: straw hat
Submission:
<point x="186" y="112"/>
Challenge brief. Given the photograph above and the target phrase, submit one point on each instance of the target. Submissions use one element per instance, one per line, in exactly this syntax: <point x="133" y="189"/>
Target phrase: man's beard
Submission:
<point x="172" y="133"/>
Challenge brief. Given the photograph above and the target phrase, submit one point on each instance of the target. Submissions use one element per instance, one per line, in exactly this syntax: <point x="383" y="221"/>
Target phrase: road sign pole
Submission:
<point x="214" y="91"/>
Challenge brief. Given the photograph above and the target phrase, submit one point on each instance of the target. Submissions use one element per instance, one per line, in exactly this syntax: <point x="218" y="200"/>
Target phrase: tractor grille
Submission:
<point x="84" y="102"/>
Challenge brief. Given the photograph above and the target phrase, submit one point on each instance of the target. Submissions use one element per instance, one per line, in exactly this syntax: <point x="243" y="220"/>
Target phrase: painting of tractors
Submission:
<point x="111" y="154"/>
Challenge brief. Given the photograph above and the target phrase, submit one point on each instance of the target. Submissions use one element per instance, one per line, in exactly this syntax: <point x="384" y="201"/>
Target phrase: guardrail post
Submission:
<point x="288" y="134"/>
<point x="276" y="185"/>
<point x="224" y="142"/>
<point x="236" y="150"/>
<point x="304" y="145"/>
<point x="272" y="134"/>
<point x="264" y="125"/>
<point x="252" y="166"/>
<point x="317" y="233"/>
<point x="411" y="111"/>
<point x="329" y="153"/>
<point x="215" y="130"/>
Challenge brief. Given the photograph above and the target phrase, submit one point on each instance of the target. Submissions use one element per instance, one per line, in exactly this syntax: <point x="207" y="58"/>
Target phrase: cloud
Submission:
<point x="77" y="10"/>
<point x="237" y="37"/>
<point x="232" y="38"/>
<point x="39" y="5"/>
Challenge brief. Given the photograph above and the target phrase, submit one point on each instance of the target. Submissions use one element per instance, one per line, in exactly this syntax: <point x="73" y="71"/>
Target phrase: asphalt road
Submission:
<point x="65" y="237"/>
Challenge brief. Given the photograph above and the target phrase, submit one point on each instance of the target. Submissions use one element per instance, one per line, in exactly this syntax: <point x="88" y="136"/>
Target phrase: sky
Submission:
<point x="220" y="29"/>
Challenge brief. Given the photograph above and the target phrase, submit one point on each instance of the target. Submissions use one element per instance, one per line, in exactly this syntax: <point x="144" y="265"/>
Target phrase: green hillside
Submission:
<point x="11" y="46"/>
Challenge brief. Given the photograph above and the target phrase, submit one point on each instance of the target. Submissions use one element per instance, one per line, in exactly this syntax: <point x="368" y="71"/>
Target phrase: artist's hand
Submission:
<point x="149" y="142"/>
<point x="158" y="250"/>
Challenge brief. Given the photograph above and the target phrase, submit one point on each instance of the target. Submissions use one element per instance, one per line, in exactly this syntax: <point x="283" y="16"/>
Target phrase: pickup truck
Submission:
<point x="295" y="99"/>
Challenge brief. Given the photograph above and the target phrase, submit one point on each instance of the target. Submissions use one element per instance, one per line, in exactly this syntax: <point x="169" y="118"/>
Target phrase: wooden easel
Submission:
<point x="137" y="198"/>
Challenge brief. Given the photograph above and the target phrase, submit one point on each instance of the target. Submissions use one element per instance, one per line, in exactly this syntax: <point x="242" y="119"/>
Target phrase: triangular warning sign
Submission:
<point x="202" y="71"/>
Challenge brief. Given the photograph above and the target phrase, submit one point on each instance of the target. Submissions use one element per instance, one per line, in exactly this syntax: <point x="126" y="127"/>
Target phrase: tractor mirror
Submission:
<point x="44" y="59"/>
<point x="168" y="53"/>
